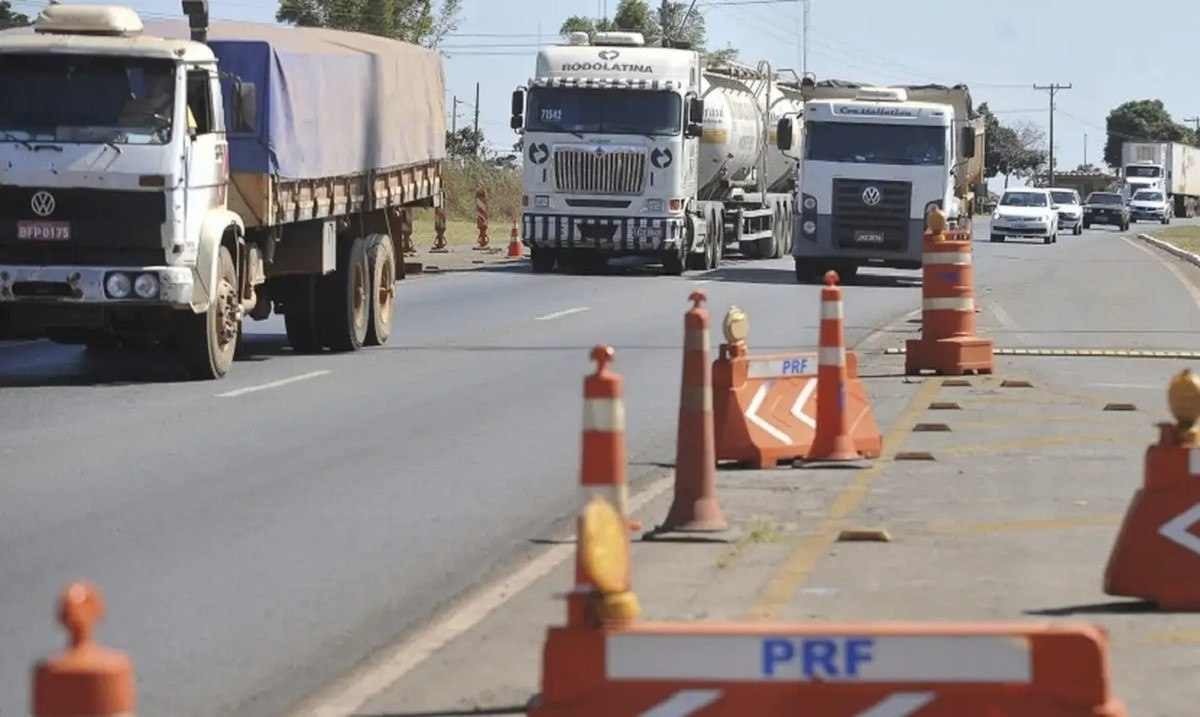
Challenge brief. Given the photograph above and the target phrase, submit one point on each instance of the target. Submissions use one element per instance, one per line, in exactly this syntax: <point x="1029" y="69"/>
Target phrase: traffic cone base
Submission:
<point x="949" y="357"/>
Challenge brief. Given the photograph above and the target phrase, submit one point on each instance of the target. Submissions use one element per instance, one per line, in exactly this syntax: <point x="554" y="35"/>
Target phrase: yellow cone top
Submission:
<point x="1183" y="397"/>
<point x="936" y="221"/>
<point x="736" y="326"/>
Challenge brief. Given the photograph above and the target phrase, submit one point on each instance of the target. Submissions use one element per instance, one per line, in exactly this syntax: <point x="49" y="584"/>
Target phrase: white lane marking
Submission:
<point x="1146" y="386"/>
<point x="1191" y="290"/>
<point x="752" y="414"/>
<point x="1178" y="529"/>
<point x="564" y="312"/>
<point x="274" y="384"/>
<point x="900" y="704"/>
<point x="683" y="703"/>
<point x="801" y="400"/>
<point x="14" y="344"/>
<point x="702" y="282"/>
<point x="350" y="694"/>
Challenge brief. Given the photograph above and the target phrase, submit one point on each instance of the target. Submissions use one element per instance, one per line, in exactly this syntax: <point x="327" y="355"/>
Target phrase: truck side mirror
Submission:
<point x="245" y="109"/>
<point x="968" y="141"/>
<point x="518" y="109"/>
<point x="783" y="134"/>
<point x="695" y="118"/>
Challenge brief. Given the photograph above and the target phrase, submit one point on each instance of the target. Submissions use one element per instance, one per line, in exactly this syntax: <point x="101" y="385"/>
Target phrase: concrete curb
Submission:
<point x="1171" y="249"/>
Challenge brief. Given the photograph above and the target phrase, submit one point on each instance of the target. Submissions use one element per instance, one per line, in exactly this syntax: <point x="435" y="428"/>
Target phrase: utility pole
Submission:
<point x="804" y="35"/>
<point x="1085" y="149"/>
<point x="454" y="116"/>
<point x="664" y="14"/>
<point x="479" y="147"/>
<point x="1194" y="120"/>
<point x="1053" y="88"/>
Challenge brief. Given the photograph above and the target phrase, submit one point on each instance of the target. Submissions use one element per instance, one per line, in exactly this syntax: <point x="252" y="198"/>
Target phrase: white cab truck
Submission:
<point x="1172" y="168"/>
<point x="874" y="161"/>
<point x="159" y="184"/>
<point x="635" y="150"/>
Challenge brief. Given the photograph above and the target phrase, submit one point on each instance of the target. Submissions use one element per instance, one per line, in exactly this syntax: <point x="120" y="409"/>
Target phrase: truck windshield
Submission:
<point x="1141" y="171"/>
<point x="86" y="99"/>
<point x="875" y="143"/>
<point x="597" y="111"/>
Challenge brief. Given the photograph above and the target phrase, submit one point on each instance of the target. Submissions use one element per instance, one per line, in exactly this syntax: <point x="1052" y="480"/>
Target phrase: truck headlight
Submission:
<point x="654" y="205"/>
<point x="118" y="285"/>
<point x="810" y="203"/>
<point x="146" y="286"/>
<point x="809" y="227"/>
<point x="541" y="201"/>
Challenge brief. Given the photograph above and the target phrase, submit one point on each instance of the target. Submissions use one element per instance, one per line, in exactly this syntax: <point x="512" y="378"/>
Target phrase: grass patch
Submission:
<point x="459" y="233"/>
<point x="758" y="531"/>
<point x="1186" y="238"/>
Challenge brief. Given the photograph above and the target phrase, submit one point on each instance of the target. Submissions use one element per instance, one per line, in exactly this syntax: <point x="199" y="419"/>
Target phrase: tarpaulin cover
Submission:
<point x="330" y="103"/>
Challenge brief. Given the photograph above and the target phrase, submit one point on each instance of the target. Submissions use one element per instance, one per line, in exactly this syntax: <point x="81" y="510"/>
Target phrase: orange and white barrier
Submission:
<point x="439" y="230"/>
<point x="765" y="406"/>
<point x="515" y="248"/>
<point x="948" y="344"/>
<point x="87" y="679"/>
<point x="481" y="219"/>
<point x="695" y="507"/>
<point x="832" y="440"/>
<point x="611" y="664"/>
<point x="1157" y="553"/>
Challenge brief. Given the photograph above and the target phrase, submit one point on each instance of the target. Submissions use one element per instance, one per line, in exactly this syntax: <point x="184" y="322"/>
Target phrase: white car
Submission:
<point x="1069" y="208"/>
<point x="1026" y="212"/>
<point x="1150" y="204"/>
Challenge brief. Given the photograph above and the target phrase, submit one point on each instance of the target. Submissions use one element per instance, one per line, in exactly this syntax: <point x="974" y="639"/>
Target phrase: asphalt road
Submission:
<point x="253" y="546"/>
<point x="257" y="537"/>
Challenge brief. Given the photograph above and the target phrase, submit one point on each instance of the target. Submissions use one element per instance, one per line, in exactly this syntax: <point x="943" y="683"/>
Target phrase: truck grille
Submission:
<point x="581" y="171"/>
<point x="107" y="227"/>
<point x="854" y="218"/>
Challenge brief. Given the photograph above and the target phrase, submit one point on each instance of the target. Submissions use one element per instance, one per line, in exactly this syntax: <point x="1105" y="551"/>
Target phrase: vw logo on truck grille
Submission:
<point x="42" y="204"/>
<point x="871" y="196"/>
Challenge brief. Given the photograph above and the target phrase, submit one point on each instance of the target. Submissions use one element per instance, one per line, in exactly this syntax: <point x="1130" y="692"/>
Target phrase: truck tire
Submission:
<point x="345" y="301"/>
<point x="675" y="261"/>
<point x="300" y="316"/>
<point x="381" y="257"/>
<point x="208" y="341"/>
<point x="542" y="260"/>
<point x="777" y="235"/>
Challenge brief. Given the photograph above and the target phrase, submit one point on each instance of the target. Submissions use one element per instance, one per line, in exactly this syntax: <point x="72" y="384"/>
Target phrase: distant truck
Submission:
<point x="635" y="150"/>
<point x="1169" y="167"/>
<point x="158" y="186"/>
<point x="873" y="162"/>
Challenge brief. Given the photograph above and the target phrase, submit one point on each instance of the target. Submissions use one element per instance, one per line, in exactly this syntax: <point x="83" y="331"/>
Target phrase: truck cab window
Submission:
<point x="199" y="102"/>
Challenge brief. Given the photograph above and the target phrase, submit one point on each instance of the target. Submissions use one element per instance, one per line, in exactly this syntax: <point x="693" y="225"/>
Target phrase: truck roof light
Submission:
<point x="630" y="39"/>
<point x="882" y="94"/>
<point x="109" y="20"/>
<point x="577" y="38"/>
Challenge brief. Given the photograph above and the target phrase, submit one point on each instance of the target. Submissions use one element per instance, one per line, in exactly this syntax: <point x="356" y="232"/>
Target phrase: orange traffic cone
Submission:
<point x="86" y="679"/>
<point x="1157" y="553"/>
<point x="695" y="507"/>
<point x="514" y="241"/>
<point x="832" y="440"/>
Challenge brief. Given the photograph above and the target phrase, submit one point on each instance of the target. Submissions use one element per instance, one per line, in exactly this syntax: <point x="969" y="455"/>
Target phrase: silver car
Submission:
<point x="1150" y="204"/>
<point x="1069" y="208"/>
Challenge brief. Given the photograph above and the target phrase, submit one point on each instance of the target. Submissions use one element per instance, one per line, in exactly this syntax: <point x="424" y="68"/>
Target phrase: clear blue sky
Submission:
<point x="1111" y="51"/>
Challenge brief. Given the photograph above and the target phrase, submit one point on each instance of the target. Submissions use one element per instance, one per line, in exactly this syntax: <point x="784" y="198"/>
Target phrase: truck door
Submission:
<point x="207" y="150"/>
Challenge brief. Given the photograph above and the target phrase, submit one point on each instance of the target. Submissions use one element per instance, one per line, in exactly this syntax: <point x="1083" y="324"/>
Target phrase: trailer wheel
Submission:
<point x="381" y="258"/>
<point x="714" y="240"/>
<point x="208" y="341"/>
<point x="345" y="299"/>
<point x="300" y="316"/>
<point x="720" y="234"/>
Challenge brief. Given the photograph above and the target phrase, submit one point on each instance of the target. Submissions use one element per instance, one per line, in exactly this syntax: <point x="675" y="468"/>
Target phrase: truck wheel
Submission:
<point x="542" y="260"/>
<point x="381" y="256"/>
<point x="209" y="340"/>
<point x="1078" y="229"/>
<point x="777" y="236"/>
<point x="345" y="301"/>
<point x="300" y="316"/>
<point x="719" y="231"/>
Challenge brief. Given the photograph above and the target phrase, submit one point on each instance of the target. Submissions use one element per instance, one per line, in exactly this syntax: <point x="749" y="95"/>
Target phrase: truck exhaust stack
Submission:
<point x="197" y="12"/>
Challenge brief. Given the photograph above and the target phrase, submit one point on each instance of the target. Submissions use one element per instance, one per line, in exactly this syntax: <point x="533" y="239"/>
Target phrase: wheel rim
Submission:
<point x="386" y="293"/>
<point x="358" y="296"/>
<point x="226" y="315"/>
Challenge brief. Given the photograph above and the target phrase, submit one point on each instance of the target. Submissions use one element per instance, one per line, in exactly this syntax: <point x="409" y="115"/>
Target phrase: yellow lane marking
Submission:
<point x="1020" y="444"/>
<point x="1021" y="526"/>
<point x="1172" y="637"/>
<point x="790" y="575"/>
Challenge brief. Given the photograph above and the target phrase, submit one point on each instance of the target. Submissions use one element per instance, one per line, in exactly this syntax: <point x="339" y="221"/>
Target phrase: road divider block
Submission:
<point x="765" y="405"/>
<point x="1157" y="552"/>
<point x="87" y="679"/>
<point x="948" y="344"/>
<point x="612" y="664"/>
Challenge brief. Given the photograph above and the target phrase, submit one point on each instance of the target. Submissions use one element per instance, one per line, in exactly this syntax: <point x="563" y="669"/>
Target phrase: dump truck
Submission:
<point x="636" y="150"/>
<point x="163" y="182"/>
<point x="873" y="162"/>
<point x="1169" y="167"/>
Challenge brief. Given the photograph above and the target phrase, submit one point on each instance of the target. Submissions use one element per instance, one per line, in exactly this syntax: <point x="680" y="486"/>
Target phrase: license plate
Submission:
<point x="868" y="237"/>
<point x="43" y="231"/>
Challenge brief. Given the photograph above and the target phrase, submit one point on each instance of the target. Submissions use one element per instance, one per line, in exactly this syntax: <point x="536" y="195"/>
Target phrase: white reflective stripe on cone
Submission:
<point x="695" y="340"/>
<point x="835" y="356"/>
<point x="1194" y="462"/>
<point x="697" y="398"/>
<point x="935" y="258"/>
<point x="603" y="414"/>
<point x="831" y="309"/>
<point x="948" y="304"/>
<point x="617" y="495"/>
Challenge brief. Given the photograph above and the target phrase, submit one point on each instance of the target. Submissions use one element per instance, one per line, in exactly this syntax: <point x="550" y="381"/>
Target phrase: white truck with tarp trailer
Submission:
<point x="161" y="183"/>
<point x="1172" y="168"/>
<point x="635" y="150"/>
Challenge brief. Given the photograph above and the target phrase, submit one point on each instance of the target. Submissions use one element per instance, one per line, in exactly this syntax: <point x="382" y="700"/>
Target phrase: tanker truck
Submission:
<point x="635" y="150"/>
<point x="873" y="162"/>
<point x="163" y="182"/>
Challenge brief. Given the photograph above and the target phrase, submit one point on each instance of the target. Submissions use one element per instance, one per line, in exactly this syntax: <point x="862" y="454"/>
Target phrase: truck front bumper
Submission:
<point x="85" y="285"/>
<point x="904" y="253"/>
<point x="618" y="235"/>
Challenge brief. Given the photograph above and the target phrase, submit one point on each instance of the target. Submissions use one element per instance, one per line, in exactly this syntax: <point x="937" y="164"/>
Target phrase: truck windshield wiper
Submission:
<point x="560" y="128"/>
<point x="13" y="138"/>
<point x="623" y="129"/>
<point x="40" y="147"/>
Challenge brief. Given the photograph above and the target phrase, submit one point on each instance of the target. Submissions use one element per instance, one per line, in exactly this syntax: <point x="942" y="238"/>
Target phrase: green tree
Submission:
<point x="1010" y="151"/>
<point x="637" y="16"/>
<point x="416" y="21"/>
<point x="466" y="142"/>
<point x="1141" y="121"/>
<point x="10" y="18"/>
<point x="681" y="26"/>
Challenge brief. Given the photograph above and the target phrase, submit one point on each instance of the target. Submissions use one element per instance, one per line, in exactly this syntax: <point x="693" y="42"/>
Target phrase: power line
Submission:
<point x="1053" y="88"/>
